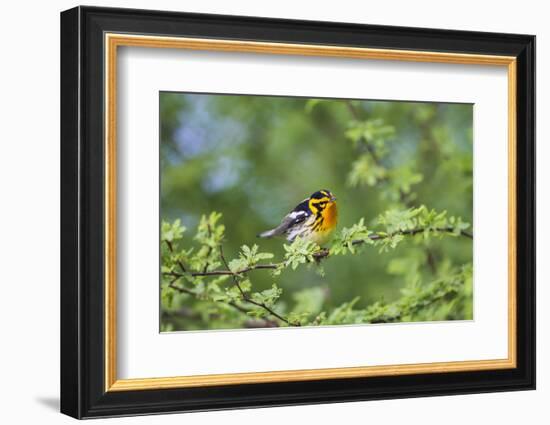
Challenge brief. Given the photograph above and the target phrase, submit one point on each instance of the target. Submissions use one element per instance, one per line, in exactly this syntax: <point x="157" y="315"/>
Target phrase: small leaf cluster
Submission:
<point x="171" y="234"/>
<point x="300" y="251"/>
<point x="436" y="300"/>
<point x="199" y="281"/>
<point x="366" y="172"/>
<point x="346" y="240"/>
<point x="210" y="234"/>
<point x="398" y="224"/>
<point x="248" y="257"/>
<point x="189" y="277"/>
<point x="430" y="220"/>
<point x="392" y="157"/>
<point x="308" y="304"/>
<point x="372" y="138"/>
<point x="372" y="132"/>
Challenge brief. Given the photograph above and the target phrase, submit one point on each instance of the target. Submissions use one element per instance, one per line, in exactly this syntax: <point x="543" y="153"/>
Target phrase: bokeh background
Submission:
<point x="253" y="158"/>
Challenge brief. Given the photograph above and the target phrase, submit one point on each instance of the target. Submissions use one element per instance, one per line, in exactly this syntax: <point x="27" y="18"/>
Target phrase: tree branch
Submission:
<point x="244" y="297"/>
<point x="171" y="249"/>
<point x="412" y="232"/>
<point x="403" y="196"/>
<point x="247" y="299"/>
<point x="238" y="274"/>
<point x="321" y="254"/>
<point x="372" y="152"/>
<point x="353" y="110"/>
<point x="256" y="323"/>
<point x="209" y="249"/>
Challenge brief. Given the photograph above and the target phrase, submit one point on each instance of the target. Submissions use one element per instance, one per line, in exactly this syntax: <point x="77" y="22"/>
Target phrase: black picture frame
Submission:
<point x="82" y="212"/>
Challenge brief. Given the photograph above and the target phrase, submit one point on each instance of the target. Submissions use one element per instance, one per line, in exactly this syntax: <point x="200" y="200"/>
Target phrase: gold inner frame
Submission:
<point x="113" y="41"/>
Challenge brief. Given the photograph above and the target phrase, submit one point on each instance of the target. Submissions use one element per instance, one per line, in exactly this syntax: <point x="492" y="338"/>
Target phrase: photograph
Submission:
<point x="262" y="211"/>
<point x="283" y="212"/>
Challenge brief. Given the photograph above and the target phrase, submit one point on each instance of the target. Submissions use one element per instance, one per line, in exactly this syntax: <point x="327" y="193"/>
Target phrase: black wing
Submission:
<point x="296" y="216"/>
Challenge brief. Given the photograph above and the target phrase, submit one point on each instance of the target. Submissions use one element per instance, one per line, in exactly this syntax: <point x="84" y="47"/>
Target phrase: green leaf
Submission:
<point x="171" y="231"/>
<point x="365" y="172"/>
<point x="248" y="257"/>
<point x="209" y="232"/>
<point x="373" y="132"/>
<point x="311" y="104"/>
<point x="269" y="296"/>
<point x="345" y="239"/>
<point x="300" y="251"/>
<point x="237" y="264"/>
<point x="309" y="301"/>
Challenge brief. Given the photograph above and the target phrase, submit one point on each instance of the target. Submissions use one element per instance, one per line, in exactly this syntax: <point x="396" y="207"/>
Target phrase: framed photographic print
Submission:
<point x="261" y="212"/>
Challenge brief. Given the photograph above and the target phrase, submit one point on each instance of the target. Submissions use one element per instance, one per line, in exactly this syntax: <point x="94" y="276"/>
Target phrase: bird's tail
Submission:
<point x="268" y="233"/>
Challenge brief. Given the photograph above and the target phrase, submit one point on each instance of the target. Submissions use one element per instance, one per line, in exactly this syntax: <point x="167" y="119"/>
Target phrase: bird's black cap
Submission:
<point x="323" y="193"/>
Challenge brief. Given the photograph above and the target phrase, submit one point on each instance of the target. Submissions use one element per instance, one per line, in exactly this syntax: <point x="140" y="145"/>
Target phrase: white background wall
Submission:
<point x="29" y="225"/>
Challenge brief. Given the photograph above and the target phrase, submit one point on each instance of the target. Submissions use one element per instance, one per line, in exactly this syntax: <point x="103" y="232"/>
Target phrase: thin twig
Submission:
<point x="257" y="323"/>
<point x="318" y="256"/>
<point x="228" y="272"/>
<point x="225" y="272"/>
<point x="353" y="110"/>
<point x="209" y="249"/>
<point x="185" y="290"/>
<point x="377" y="236"/>
<point x="247" y="299"/>
<point x="171" y="248"/>
<point x="404" y="197"/>
<point x="321" y="254"/>
<point x="430" y="259"/>
<point x="376" y="159"/>
<point x="412" y="232"/>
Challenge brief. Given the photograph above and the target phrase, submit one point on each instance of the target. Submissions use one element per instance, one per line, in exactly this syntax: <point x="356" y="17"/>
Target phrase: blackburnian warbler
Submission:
<point x="313" y="219"/>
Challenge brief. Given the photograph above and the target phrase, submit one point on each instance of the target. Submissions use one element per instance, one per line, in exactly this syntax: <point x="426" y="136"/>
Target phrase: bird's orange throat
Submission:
<point x="330" y="216"/>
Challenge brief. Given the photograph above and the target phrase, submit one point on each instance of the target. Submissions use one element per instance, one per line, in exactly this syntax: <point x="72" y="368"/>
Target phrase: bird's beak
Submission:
<point x="333" y="198"/>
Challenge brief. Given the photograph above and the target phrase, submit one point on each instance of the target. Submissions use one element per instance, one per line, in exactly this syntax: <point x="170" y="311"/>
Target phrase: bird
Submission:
<point x="314" y="219"/>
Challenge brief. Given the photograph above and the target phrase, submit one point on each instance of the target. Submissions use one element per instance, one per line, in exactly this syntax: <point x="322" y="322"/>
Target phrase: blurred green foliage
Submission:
<point x="251" y="159"/>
